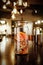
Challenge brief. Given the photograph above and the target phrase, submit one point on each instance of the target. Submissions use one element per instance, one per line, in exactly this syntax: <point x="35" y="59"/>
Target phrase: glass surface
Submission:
<point x="22" y="35"/>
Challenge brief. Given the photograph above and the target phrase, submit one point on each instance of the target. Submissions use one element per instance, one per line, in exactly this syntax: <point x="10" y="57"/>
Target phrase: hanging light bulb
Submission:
<point x="40" y="29"/>
<point x="38" y="22"/>
<point x="4" y="7"/>
<point x="4" y="1"/>
<point x="8" y="2"/>
<point x="42" y="21"/>
<point x="36" y="11"/>
<point x="14" y="3"/>
<point x="15" y="10"/>
<point x="2" y="22"/>
<point x="25" y="4"/>
<point x="13" y="17"/>
<point x="21" y="11"/>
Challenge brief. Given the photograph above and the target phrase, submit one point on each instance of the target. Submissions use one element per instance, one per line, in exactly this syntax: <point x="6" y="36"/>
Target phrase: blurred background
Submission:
<point x="21" y="32"/>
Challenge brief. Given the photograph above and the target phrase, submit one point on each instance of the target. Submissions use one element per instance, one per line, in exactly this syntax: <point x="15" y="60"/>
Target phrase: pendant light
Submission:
<point x="4" y="1"/>
<point x="15" y="11"/>
<point x="21" y="11"/>
<point x="13" y="16"/>
<point x="8" y="2"/>
<point x="4" y="6"/>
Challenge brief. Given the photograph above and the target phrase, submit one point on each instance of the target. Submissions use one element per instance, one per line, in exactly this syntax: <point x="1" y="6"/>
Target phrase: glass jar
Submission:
<point x="23" y="36"/>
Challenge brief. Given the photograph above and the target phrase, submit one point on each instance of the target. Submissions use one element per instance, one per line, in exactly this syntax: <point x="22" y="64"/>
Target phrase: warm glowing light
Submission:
<point x="4" y="7"/>
<point x="8" y="2"/>
<point x="2" y="22"/>
<point x="42" y="21"/>
<point x="40" y="29"/>
<point x="13" y="16"/>
<point x="25" y="4"/>
<point x="21" y="11"/>
<point x="14" y="3"/>
<point x="15" y="11"/>
<point x="38" y="22"/>
<point x="35" y="11"/>
<point x="4" y="1"/>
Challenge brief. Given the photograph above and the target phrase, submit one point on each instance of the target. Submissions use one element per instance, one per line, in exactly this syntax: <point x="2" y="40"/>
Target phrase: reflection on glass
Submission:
<point x="23" y="36"/>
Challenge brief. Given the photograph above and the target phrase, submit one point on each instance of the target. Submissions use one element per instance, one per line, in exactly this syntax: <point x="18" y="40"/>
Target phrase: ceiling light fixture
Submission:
<point x="40" y="29"/>
<point x="4" y="1"/>
<point x="14" y="3"/>
<point x="2" y="21"/>
<point x="25" y="4"/>
<point x="4" y="7"/>
<point x="13" y="17"/>
<point x="35" y="11"/>
<point x="38" y="22"/>
<point x="15" y="11"/>
<point x="8" y="2"/>
<point x="21" y="11"/>
<point x="42" y="21"/>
